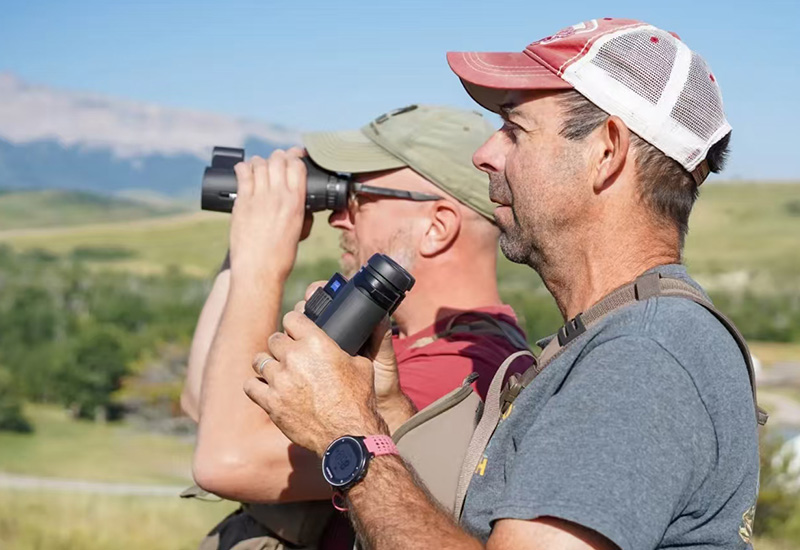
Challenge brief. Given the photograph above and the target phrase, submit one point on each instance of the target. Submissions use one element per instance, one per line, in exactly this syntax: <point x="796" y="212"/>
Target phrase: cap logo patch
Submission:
<point x="580" y="28"/>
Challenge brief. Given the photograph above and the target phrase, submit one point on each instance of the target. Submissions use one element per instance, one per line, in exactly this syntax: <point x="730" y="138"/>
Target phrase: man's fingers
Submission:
<point x="298" y="325"/>
<point x="259" y="392"/>
<point x="300" y="307"/>
<point x="260" y="174"/>
<point x="296" y="151"/>
<point x="244" y="178"/>
<point x="296" y="175"/>
<point x="278" y="344"/>
<point x="312" y="288"/>
<point x="262" y="363"/>
<point x="380" y="343"/>
<point x="277" y="169"/>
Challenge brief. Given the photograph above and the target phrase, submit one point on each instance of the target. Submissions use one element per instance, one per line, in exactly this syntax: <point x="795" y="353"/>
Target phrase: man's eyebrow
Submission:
<point x="510" y="109"/>
<point x="507" y="109"/>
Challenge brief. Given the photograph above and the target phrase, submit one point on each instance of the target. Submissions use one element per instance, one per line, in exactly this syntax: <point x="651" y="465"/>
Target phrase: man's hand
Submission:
<point x="269" y="217"/>
<point x="393" y="405"/>
<point x="379" y="349"/>
<point x="311" y="389"/>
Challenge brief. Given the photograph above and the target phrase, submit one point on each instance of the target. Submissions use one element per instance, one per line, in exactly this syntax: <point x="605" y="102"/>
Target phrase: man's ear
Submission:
<point x="443" y="229"/>
<point x="611" y="153"/>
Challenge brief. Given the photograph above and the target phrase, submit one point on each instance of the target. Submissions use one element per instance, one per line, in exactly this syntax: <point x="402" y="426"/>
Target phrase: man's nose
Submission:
<point x="341" y="219"/>
<point x="491" y="156"/>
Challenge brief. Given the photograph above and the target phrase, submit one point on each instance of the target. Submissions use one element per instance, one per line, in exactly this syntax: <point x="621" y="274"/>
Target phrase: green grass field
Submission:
<point x="118" y="452"/>
<point x="742" y="227"/>
<point x="195" y="242"/>
<point x="746" y="227"/>
<point x="55" y="208"/>
<point x="61" y="521"/>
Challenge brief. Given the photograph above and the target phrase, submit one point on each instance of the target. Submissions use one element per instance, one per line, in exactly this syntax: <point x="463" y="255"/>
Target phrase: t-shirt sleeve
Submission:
<point x="620" y="448"/>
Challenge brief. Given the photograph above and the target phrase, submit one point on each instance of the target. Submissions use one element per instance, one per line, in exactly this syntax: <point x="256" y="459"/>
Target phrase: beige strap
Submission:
<point x="484" y="430"/>
<point x="645" y="287"/>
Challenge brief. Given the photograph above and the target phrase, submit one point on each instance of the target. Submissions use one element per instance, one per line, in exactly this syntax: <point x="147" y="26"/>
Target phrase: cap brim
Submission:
<point x="487" y="76"/>
<point x="350" y="152"/>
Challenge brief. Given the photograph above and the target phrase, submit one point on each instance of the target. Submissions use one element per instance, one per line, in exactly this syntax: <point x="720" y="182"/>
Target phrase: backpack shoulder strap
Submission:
<point x="484" y="430"/>
<point x="477" y="322"/>
<point x="643" y="288"/>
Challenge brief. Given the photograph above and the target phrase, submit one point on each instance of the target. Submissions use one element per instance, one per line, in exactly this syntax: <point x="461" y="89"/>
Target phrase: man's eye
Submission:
<point x="511" y="131"/>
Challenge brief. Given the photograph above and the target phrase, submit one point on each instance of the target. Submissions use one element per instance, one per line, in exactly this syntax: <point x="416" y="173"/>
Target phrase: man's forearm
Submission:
<point x="240" y="454"/>
<point x="207" y="326"/>
<point x="250" y="316"/>
<point x="391" y="512"/>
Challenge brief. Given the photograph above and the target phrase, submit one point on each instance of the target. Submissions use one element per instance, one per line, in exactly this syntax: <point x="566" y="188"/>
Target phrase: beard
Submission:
<point x="398" y="247"/>
<point x="349" y="264"/>
<point x="514" y="243"/>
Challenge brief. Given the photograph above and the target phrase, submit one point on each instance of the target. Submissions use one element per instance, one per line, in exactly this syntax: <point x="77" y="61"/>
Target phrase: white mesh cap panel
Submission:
<point x="699" y="107"/>
<point x="637" y="61"/>
<point x="663" y="91"/>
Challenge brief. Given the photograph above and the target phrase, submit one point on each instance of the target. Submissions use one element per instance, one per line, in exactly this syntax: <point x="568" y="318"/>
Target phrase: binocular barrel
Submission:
<point x="349" y="311"/>
<point x="324" y="191"/>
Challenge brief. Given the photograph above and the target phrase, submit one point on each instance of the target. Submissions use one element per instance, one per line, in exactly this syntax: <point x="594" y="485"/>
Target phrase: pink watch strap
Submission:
<point x="380" y="445"/>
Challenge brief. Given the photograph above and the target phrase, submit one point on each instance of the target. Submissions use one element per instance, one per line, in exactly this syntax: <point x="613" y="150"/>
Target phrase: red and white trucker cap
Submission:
<point x="662" y="90"/>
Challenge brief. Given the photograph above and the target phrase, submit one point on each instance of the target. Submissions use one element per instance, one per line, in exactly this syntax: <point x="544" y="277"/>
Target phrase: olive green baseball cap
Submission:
<point x="436" y="142"/>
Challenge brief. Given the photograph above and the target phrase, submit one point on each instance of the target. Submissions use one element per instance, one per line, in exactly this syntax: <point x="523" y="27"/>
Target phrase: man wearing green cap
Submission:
<point x="417" y="198"/>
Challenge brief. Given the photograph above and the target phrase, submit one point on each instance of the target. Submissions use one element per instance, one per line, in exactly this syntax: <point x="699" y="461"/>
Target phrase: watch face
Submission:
<point x="343" y="461"/>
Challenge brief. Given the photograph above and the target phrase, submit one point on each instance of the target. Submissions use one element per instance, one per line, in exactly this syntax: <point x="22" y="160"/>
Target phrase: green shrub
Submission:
<point x="770" y="317"/>
<point x="102" y="253"/>
<point x="92" y="370"/>
<point x="778" y="510"/>
<point x="11" y="417"/>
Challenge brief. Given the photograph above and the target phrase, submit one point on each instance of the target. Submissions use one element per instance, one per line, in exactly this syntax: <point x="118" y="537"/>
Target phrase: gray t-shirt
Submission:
<point x="643" y="429"/>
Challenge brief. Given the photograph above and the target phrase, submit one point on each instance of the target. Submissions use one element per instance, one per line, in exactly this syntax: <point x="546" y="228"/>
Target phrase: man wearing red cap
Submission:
<point x="637" y="428"/>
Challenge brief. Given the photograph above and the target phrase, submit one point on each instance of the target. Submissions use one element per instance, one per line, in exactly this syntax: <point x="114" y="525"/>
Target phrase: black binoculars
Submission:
<point x="324" y="191"/>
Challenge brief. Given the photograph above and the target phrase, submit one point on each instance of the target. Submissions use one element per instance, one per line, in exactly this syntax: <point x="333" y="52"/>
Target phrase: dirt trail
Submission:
<point x="772" y="384"/>
<point x="31" y="483"/>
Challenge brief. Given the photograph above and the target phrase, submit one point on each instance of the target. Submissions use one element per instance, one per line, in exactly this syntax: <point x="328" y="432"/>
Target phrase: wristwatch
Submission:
<point x="346" y="460"/>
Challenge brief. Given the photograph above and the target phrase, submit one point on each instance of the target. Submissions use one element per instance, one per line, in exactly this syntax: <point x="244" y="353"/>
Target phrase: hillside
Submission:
<point x="54" y="208"/>
<point x="739" y="232"/>
<point x="746" y="227"/>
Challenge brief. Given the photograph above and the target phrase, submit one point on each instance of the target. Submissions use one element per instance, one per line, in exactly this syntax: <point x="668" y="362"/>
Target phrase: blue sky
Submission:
<point x="326" y="65"/>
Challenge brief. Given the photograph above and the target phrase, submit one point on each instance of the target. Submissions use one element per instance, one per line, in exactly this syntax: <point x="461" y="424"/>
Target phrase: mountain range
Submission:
<point x="56" y="139"/>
